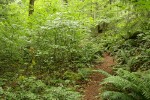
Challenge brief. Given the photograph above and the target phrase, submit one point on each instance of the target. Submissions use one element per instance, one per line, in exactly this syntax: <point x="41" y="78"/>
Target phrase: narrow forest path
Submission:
<point x="91" y="89"/>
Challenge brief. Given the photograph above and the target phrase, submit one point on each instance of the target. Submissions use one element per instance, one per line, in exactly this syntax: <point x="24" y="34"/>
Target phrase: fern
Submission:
<point x="102" y="72"/>
<point x="120" y="83"/>
<point x="128" y="75"/>
<point x="127" y="86"/>
<point x="145" y="84"/>
<point x="116" y="96"/>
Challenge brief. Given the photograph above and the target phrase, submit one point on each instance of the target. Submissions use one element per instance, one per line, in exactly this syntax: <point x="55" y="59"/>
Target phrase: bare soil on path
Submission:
<point x="91" y="89"/>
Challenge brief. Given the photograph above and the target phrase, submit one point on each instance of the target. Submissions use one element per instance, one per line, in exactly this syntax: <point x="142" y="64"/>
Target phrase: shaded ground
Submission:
<point x="91" y="89"/>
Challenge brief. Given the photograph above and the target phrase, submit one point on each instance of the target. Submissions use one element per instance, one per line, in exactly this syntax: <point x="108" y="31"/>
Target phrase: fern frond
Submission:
<point x="102" y="72"/>
<point x="133" y="84"/>
<point x="145" y="85"/>
<point x="130" y="76"/>
<point x="124" y="55"/>
<point x="113" y="95"/>
<point x="121" y="83"/>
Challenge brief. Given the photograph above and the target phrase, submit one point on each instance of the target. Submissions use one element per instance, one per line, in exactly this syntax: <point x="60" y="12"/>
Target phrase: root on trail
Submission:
<point x="91" y="90"/>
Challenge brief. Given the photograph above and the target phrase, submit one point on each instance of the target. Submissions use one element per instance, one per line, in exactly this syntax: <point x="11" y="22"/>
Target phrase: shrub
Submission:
<point x="33" y="89"/>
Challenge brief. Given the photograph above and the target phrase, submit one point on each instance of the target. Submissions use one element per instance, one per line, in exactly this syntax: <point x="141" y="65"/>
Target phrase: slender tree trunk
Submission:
<point x="66" y="1"/>
<point x="110" y="1"/>
<point x="31" y="7"/>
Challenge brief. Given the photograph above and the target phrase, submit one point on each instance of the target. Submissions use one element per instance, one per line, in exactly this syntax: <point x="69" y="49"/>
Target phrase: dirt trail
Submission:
<point x="92" y="87"/>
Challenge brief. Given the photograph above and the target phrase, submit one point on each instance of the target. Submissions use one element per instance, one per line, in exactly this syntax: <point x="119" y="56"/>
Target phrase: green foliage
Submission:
<point x="53" y="44"/>
<point x="81" y="75"/>
<point x="127" y="86"/>
<point x="31" y="89"/>
<point x="131" y="47"/>
<point x="102" y="72"/>
<point x="134" y="54"/>
<point x="113" y="95"/>
<point x="130" y="43"/>
<point x="62" y="38"/>
<point x="50" y="40"/>
<point x="56" y="44"/>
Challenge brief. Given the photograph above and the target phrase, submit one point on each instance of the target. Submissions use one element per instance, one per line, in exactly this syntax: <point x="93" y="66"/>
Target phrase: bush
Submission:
<point x="33" y="89"/>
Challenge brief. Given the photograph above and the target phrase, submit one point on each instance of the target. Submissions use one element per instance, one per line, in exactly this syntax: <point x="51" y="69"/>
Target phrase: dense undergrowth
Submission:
<point x="33" y="89"/>
<point x="131" y="48"/>
<point x="45" y="53"/>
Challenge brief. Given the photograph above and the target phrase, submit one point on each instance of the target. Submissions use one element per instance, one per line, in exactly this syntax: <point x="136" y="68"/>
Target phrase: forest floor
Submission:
<point x="91" y="89"/>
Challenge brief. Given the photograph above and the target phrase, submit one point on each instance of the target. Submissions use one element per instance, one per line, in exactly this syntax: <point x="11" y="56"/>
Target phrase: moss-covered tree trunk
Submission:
<point x="31" y="7"/>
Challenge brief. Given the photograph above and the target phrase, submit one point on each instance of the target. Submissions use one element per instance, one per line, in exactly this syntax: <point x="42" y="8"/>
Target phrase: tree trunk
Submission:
<point x="66" y="1"/>
<point x="31" y="7"/>
<point x="110" y="1"/>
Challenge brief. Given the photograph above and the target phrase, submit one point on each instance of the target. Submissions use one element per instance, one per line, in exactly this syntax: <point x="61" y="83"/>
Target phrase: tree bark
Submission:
<point x="66" y="1"/>
<point x="110" y="1"/>
<point x="31" y="7"/>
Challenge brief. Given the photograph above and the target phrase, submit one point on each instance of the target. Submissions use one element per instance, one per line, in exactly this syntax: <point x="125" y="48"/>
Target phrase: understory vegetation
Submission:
<point x="49" y="47"/>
